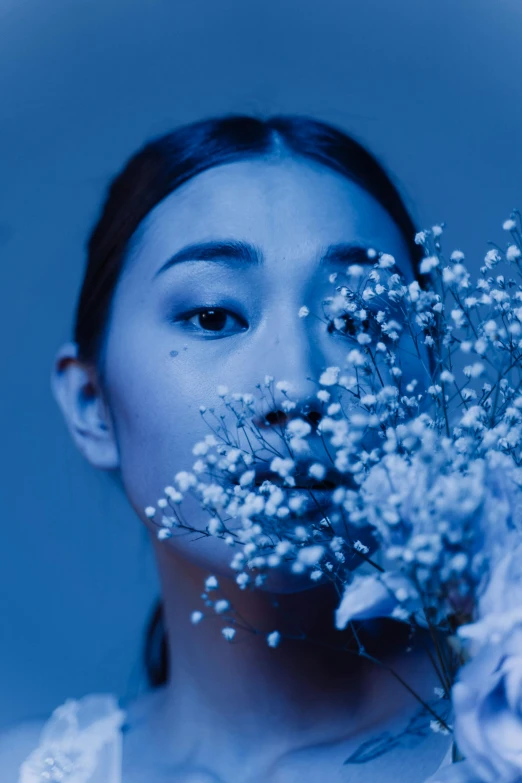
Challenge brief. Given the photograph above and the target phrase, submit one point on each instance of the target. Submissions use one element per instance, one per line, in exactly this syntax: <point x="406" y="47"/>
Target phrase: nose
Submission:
<point x="292" y="353"/>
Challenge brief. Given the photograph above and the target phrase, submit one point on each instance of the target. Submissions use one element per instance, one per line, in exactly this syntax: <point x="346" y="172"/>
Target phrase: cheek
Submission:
<point x="157" y="422"/>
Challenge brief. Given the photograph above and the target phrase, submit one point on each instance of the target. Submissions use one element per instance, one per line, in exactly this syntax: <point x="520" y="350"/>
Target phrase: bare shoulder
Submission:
<point x="16" y="743"/>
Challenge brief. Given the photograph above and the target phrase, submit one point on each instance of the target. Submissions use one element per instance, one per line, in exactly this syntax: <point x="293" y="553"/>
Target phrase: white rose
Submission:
<point x="487" y="702"/>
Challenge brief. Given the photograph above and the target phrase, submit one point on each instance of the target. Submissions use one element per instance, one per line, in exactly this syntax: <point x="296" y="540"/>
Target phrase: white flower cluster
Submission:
<point x="422" y="436"/>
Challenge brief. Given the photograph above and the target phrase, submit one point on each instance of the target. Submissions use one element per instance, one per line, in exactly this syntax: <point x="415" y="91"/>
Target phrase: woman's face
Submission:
<point x="163" y="360"/>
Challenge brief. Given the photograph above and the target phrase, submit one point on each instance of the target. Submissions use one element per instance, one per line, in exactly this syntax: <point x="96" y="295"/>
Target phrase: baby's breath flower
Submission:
<point x="185" y="480"/>
<point x="247" y="478"/>
<point x="310" y="555"/>
<point x="297" y="504"/>
<point x="386" y="260"/>
<point x="491" y="258"/>
<point x="457" y="256"/>
<point x="458" y="316"/>
<point x="283" y="547"/>
<point x="509" y="225"/>
<point x="283" y="467"/>
<point x="474" y="370"/>
<point x="317" y="471"/>
<point x="513" y="252"/>
<point x="329" y="376"/>
<point x="200" y="449"/>
<point x="414" y="291"/>
<point x="173" y="494"/>
<point x="356" y="358"/>
<point x="242" y="580"/>
<point x="428" y="264"/>
<point x="163" y="533"/>
<point x="437" y="727"/>
<point x="215" y="526"/>
<point x="211" y="583"/>
<point x="355" y="270"/>
<point x="301" y="532"/>
<point x="298" y="428"/>
<point x="427" y="488"/>
<point x="333" y="409"/>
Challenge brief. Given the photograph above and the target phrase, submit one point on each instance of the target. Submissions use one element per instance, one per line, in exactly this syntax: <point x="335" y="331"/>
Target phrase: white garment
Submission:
<point x="82" y="743"/>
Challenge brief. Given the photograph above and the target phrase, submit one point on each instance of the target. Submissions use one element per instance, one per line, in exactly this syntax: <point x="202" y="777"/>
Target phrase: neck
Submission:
<point x="312" y="688"/>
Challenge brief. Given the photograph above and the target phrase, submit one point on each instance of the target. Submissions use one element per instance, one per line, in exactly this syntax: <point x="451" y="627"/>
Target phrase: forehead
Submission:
<point x="291" y="205"/>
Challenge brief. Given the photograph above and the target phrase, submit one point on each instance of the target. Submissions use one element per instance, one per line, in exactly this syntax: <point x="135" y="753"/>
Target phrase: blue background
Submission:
<point x="433" y="87"/>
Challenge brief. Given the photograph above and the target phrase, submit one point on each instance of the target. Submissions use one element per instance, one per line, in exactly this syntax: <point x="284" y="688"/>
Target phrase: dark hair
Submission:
<point x="156" y="170"/>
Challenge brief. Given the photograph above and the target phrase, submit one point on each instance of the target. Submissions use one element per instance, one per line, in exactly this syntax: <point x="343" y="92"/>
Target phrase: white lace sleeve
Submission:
<point x="80" y="743"/>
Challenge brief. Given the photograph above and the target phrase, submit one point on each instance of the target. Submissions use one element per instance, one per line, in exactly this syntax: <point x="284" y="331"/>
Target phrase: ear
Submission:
<point x="78" y="393"/>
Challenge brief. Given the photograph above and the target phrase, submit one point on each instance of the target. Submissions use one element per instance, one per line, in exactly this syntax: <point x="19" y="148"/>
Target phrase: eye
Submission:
<point x="211" y="320"/>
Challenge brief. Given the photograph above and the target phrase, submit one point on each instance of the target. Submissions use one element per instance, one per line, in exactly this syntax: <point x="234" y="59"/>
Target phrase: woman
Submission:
<point x="208" y="244"/>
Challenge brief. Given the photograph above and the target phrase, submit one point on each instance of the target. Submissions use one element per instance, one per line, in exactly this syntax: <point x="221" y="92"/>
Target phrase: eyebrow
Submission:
<point x="233" y="251"/>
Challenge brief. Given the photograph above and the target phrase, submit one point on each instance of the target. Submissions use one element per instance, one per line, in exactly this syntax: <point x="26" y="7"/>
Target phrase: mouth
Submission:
<point x="322" y="485"/>
<point x="332" y="480"/>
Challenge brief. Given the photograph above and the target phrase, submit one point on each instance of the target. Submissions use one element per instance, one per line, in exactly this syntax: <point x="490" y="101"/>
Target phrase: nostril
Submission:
<point x="314" y="417"/>
<point x="276" y="417"/>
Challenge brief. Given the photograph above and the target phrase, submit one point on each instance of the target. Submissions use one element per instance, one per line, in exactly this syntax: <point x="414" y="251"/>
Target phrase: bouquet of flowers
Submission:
<point x="415" y="512"/>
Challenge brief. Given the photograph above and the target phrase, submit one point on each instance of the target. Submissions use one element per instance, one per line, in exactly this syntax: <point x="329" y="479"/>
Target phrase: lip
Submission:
<point x="332" y="480"/>
<point x="317" y="486"/>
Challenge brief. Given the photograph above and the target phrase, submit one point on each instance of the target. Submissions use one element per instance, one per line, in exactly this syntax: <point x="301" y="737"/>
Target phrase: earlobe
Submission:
<point x="79" y="396"/>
